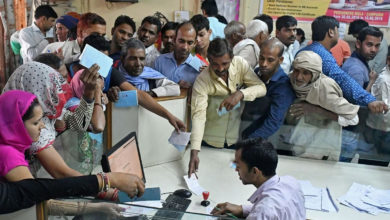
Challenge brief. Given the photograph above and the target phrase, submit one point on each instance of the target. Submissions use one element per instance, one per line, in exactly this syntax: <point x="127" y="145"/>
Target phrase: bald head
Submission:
<point x="270" y="58"/>
<point x="234" y="32"/>
<point x="272" y="44"/>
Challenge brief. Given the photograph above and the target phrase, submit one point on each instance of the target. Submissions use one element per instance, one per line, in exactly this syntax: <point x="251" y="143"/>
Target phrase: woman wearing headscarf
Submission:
<point x="21" y="123"/>
<point x="52" y="92"/>
<point x="318" y="124"/>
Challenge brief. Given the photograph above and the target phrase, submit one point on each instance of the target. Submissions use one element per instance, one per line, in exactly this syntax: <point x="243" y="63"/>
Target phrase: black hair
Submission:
<point x="285" y="21"/>
<point x="72" y="33"/>
<point x="45" y="10"/>
<point x="268" y="20"/>
<point x="49" y="59"/>
<point x="219" y="47"/>
<point x="169" y="26"/>
<point x="301" y="33"/>
<point x="321" y="26"/>
<point x="199" y="22"/>
<point x="184" y="24"/>
<point x="370" y="30"/>
<point x="29" y="113"/>
<point x="131" y="43"/>
<point x="98" y="42"/>
<point x="210" y="7"/>
<point x="152" y="20"/>
<point x="259" y="153"/>
<point x="356" y="26"/>
<point x="221" y="19"/>
<point x="124" y="19"/>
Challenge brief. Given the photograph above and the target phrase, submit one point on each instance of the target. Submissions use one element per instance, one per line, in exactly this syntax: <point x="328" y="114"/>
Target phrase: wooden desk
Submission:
<point x="152" y="130"/>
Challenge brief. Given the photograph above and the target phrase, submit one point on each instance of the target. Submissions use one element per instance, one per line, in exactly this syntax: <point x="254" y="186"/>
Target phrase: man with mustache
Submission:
<point x="144" y="78"/>
<point x="123" y="30"/>
<point x="286" y="29"/>
<point x="367" y="46"/>
<point x="280" y="95"/>
<point x="220" y="88"/>
<point x="180" y="65"/>
<point x="168" y="36"/>
<point x="148" y="34"/>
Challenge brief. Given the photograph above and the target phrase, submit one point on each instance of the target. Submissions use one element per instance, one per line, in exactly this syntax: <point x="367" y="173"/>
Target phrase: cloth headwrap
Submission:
<point x="14" y="137"/>
<point x="321" y="90"/>
<point x="311" y="61"/>
<point x="68" y="21"/>
<point x="51" y="90"/>
<point x="13" y="105"/>
<point x="77" y="85"/>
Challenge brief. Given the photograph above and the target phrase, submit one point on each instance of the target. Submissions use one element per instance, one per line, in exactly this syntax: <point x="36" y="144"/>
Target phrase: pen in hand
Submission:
<point x="228" y="213"/>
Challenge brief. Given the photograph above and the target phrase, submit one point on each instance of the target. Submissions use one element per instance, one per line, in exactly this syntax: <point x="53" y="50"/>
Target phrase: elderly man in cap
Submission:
<point x="64" y="25"/>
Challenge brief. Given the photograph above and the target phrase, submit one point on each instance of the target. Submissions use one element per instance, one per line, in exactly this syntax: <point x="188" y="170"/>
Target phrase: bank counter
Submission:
<point x="152" y="130"/>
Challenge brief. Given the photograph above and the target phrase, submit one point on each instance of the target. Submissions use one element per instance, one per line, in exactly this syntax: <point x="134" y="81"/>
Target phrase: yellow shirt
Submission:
<point x="209" y="91"/>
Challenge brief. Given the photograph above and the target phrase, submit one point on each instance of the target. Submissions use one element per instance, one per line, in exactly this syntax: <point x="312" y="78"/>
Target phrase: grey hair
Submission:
<point x="131" y="43"/>
<point x="234" y="27"/>
<point x="255" y="27"/>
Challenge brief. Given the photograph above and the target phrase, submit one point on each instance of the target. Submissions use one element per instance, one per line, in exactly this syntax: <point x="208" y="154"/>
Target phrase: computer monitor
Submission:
<point x="125" y="157"/>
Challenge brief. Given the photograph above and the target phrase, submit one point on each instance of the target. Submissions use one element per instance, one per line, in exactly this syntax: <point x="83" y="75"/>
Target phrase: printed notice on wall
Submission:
<point x="375" y="12"/>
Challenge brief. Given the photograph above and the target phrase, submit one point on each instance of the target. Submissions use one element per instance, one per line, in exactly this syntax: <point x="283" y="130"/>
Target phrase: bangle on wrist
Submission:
<point x="106" y="182"/>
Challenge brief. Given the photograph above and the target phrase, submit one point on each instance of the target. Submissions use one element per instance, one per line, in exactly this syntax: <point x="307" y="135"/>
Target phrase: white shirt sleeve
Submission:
<point x="347" y="122"/>
<point x="166" y="87"/>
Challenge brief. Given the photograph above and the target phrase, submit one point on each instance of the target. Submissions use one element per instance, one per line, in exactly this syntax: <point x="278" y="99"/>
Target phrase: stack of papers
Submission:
<point x="317" y="198"/>
<point x="365" y="198"/>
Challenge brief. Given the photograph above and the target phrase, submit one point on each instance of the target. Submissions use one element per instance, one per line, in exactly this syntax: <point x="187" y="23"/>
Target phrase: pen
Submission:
<point x="228" y="214"/>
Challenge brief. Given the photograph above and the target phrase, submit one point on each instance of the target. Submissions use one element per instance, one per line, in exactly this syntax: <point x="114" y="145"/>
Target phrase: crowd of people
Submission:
<point x="234" y="73"/>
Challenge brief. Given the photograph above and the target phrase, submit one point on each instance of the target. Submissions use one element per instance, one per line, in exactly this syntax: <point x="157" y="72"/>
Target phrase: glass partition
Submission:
<point x="318" y="135"/>
<point x="85" y="209"/>
<point x="81" y="150"/>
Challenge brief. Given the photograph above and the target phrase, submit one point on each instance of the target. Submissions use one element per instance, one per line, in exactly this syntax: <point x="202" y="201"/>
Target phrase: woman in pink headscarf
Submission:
<point x="20" y="124"/>
<point x="52" y="93"/>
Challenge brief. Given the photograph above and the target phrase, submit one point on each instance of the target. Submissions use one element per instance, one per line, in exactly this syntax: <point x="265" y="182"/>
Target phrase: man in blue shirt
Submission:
<point x="379" y="62"/>
<point x="325" y="36"/>
<point x="210" y="10"/>
<point x="180" y="66"/>
<point x="280" y="95"/>
<point x="367" y="47"/>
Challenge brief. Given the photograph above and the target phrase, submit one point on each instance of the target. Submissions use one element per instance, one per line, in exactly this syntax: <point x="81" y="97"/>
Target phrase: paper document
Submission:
<point x="179" y="140"/>
<point x="365" y="198"/>
<point x="224" y="111"/>
<point x="91" y="56"/>
<point x="193" y="185"/>
<point x="195" y="63"/>
<point x="317" y="198"/>
<point x="127" y="99"/>
<point x="154" y="204"/>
